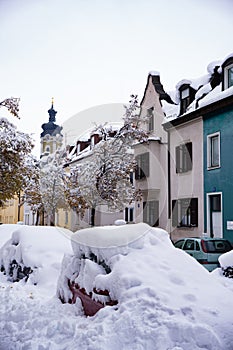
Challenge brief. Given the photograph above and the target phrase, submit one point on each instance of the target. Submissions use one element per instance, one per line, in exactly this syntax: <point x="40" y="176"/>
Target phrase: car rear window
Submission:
<point x="216" y="246"/>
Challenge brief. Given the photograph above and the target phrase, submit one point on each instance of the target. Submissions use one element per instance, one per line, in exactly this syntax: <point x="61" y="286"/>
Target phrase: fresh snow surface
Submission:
<point x="216" y="95"/>
<point x="166" y="300"/>
<point x="226" y="259"/>
<point x="154" y="72"/>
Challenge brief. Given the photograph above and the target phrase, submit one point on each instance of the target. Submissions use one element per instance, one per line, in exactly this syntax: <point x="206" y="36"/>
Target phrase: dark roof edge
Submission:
<point x="225" y="102"/>
<point x="144" y="95"/>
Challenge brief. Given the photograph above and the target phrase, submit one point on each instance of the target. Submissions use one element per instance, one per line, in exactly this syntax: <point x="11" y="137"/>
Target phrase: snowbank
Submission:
<point x="34" y="252"/>
<point x="166" y="300"/>
<point x="226" y="259"/>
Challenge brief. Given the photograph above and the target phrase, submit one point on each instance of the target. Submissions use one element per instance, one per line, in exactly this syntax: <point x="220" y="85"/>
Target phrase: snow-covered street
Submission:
<point x="167" y="301"/>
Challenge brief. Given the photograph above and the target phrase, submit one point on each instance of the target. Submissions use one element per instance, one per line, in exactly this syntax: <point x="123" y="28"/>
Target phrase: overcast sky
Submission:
<point x="88" y="52"/>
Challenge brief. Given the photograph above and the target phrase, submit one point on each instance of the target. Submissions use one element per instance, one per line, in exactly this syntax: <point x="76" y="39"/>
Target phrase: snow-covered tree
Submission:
<point x="12" y="104"/>
<point x="32" y="193"/>
<point x="52" y="186"/>
<point x="15" y="164"/>
<point x="105" y="178"/>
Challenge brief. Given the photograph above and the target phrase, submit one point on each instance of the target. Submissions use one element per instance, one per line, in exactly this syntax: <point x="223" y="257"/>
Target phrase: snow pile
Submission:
<point x="226" y="263"/>
<point x="216" y="95"/>
<point x="6" y="232"/>
<point x="33" y="253"/>
<point x="166" y="300"/>
<point x="226" y="259"/>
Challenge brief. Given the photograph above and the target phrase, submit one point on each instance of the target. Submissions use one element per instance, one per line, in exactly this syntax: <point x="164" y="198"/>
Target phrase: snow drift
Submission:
<point x="166" y="300"/>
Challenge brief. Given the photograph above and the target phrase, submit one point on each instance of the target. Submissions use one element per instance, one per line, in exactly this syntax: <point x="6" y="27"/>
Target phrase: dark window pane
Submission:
<point x="215" y="202"/>
<point x="230" y="77"/>
<point x="174" y="213"/>
<point x="151" y="213"/>
<point x="189" y="245"/>
<point x="179" y="244"/>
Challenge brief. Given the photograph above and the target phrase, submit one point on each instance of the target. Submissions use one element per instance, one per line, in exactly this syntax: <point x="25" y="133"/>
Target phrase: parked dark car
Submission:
<point x="205" y="250"/>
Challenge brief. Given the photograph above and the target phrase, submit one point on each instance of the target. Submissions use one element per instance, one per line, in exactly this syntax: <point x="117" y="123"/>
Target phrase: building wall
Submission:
<point x="220" y="180"/>
<point x="153" y="187"/>
<point x="9" y="214"/>
<point x="63" y="218"/>
<point x="188" y="184"/>
<point x="151" y="99"/>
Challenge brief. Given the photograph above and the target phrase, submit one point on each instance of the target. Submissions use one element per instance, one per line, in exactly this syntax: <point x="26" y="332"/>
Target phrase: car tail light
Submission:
<point x="203" y="246"/>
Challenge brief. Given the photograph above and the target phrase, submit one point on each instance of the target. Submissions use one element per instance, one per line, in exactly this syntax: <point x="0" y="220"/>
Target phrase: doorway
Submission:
<point x="214" y="215"/>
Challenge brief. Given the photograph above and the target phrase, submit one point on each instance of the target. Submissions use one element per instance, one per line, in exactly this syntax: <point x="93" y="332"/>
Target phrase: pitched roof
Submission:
<point x="155" y="77"/>
<point x="207" y="90"/>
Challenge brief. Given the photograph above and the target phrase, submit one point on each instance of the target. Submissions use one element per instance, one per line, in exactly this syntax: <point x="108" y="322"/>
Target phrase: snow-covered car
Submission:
<point x="33" y="253"/>
<point x="87" y="273"/>
<point x="205" y="250"/>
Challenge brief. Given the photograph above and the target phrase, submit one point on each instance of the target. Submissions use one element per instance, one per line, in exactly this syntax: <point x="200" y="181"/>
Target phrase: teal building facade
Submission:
<point x="218" y="169"/>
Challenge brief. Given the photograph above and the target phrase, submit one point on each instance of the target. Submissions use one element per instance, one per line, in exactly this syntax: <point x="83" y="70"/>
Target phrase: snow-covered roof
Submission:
<point x="154" y="72"/>
<point x="207" y="89"/>
<point x="75" y="155"/>
<point x="216" y="95"/>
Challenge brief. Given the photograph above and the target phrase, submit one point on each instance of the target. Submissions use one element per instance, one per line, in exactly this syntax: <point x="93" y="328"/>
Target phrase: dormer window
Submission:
<point x="229" y="76"/>
<point x="187" y="95"/>
<point x="95" y="138"/>
<point x="227" y="73"/>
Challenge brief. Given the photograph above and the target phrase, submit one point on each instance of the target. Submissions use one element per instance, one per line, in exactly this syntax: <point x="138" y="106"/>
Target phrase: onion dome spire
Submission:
<point x="52" y="113"/>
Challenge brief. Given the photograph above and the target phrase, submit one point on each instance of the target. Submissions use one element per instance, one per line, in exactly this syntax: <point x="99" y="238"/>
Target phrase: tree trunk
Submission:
<point x="37" y="218"/>
<point x="93" y="216"/>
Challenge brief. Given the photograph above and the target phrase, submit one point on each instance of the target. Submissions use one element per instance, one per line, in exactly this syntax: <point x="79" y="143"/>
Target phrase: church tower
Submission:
<point x="51" y="137"/>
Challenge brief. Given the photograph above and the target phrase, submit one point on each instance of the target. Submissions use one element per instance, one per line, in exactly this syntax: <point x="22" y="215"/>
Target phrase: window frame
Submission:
<point x="150" y="207"/>
<point x="190" y="219"/>
<point x="150" y="114"/>
<point x="129" y="214"/>
<point x="226" y="76"/>
<point x="143" y="166"/>
<point x="210" y="163"/>
<point x="184" y="157"/>
<point x="184" y="101"/>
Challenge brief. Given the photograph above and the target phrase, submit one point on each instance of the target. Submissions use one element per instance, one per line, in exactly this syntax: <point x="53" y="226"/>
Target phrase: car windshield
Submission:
<point x="217" y="246"/>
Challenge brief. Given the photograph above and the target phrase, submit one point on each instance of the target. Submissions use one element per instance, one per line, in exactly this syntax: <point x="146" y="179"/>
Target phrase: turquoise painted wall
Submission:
<point x="221" y="179"/>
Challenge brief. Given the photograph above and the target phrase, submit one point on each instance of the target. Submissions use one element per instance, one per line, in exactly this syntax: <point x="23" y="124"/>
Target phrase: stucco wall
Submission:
<point x="154" y="187"/>
<point x="189" y="184"/>
<point x="220" y="179"/>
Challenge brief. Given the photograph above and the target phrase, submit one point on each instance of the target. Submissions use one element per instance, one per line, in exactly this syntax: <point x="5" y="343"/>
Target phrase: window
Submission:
<point x="184" y="101"/>
<point x="184" y="158"/>
<point x="213" y="150"/>
<point x="185" y="212"/>
<point x="150" y="114"/>
<point x="129" y="214"/>
<point x="228" y="76"/>
<point x="151" y="213"/>
<point x="179" y="244"/>
<point x="66" y="217"/>
<point x="187" y="96"/>
<point x="142" y="169"/>
<point x="26" y="219"/>
<point x="189" y="245"/>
